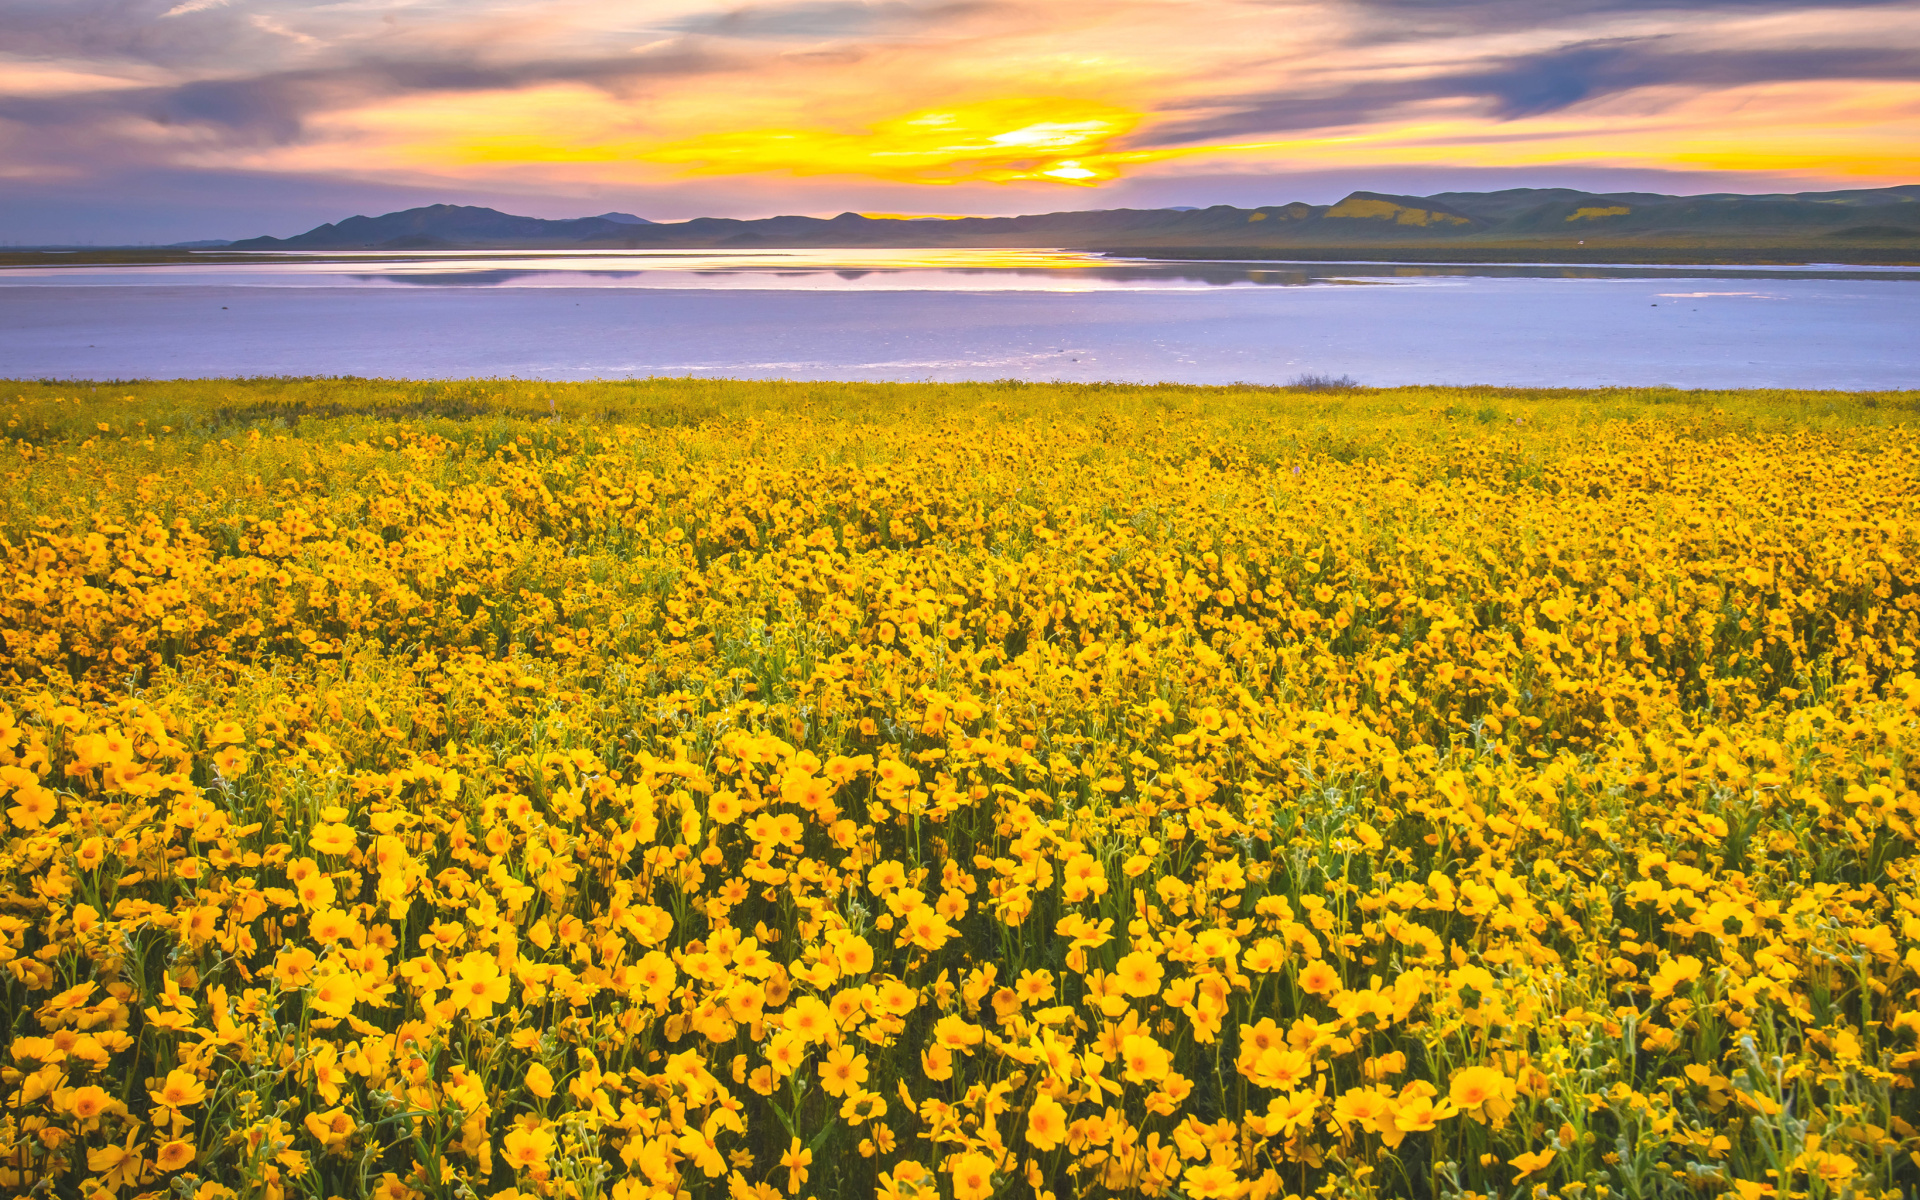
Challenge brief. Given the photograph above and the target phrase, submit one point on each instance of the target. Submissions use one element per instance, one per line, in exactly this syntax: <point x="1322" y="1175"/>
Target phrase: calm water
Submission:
<point x="961" y="314"/>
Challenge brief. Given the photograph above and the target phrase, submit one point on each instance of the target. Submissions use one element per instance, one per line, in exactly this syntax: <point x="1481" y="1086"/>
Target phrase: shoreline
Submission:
<point x="1465" y="253"/>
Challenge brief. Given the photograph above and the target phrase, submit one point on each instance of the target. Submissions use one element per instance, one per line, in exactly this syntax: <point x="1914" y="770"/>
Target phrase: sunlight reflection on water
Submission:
<point x="842" y="270"/>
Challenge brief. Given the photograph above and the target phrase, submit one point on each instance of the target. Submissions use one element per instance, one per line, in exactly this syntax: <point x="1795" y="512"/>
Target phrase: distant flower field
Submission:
<point x="750" y="790"/>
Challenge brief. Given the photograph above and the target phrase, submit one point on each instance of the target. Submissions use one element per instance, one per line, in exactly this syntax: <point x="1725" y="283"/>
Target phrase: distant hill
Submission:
<point x="1517" y="217"/>
<point x="444" y="226"/>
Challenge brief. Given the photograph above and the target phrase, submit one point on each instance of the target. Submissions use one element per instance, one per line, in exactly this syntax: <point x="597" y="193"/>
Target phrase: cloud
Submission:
<point x="1547" y="82"/>
<point x="274" y="108"/>
<point x="191" y="37"/>
<point x="1532" y="85"/>
<point x="278" y="28"/>
<point x="1428" y="18"/>
<point x="817" y="20"/>
<point x="406" y="90"/>
<point x="344" y="57"/>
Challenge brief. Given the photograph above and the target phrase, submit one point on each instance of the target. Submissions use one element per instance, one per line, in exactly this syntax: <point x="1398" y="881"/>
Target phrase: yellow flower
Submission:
<point x="90" y="854"/>
<point x="936" y="1063"/>
<point x="1143" y="1059"/>
<point x="224" y="732"/>
<point x="89" y="1102"/>
<point x="1213" y="1182"/>
<point x="842" y="1071"/>
<point x="477" y="985"/>
<point x="1292" y="1113"/>
<point x="810" y="1020"/>
<point x="174" y="1155"/>
<point x="1833" y="1170"/>
<point x="1418" y="1114"/>
<point x="953" y="1032"/>
<point x="525" y="1148"/>
<point x="1278" y="1067"/>
<point x="795" y="1162"/>
<point x="1673" y="973"/>
<point x="972" y="1176"/>
<point x="896" y="998"/>
<point x="1526" y="1164"/>
<point x="1319" y="979"/>
<point x="1472" y="1087"/>
<point x="333" y="839"/>
<point x="856" y="955"/>
<point x="908" y="1180"/>
<point x="179" y="1090"/>
<point x="1139" y="974"/>
<point x="335" y="994"/>
<point x="861" y="1107"/>
<point x="785" y="1053"/>
<point x="1370" y="1111"/>
<point x="926" y="929"/>
<point x="115" y="1167"/>
<point x="330" y="1128"/>
<point x="540" y="1081"/>
<point x="33" y="805"/>
<point x="673" y="759"/>
<point x="1046" y="1123"/>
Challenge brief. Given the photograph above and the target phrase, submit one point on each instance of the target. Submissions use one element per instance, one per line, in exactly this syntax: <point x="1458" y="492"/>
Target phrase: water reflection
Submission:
<point x="1153" y="274"/>
<point x="860" y="270"/>
<point x="1080" y="318"/>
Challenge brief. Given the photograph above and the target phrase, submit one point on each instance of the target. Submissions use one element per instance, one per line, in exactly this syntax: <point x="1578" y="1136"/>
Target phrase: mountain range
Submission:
<point x="1560" y="216"/>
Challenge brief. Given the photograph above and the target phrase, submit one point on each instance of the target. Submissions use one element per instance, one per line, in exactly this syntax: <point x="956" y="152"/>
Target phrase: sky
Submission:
<point x="125" y="121"/>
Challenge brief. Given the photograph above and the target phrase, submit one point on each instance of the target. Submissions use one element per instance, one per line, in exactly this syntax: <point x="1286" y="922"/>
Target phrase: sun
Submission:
<point x="1010" y="140"/>
<point x="1046" y="139"/>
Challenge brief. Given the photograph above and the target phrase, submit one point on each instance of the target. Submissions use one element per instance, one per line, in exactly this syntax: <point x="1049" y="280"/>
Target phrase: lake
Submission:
<point x="961" y="314"/>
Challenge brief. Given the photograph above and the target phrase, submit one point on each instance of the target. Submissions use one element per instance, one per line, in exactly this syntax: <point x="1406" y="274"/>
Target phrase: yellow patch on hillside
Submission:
<point x="1594" y="214"/>
<point x="1386" y="210"/>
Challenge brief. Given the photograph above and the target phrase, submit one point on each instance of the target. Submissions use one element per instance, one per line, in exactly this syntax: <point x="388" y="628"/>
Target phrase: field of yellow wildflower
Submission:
<point x="703" y="789"/>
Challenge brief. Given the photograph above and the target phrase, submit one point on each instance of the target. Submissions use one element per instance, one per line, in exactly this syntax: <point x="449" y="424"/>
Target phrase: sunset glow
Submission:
<point x="685" y="107"/>
<point x="999" y="141"/>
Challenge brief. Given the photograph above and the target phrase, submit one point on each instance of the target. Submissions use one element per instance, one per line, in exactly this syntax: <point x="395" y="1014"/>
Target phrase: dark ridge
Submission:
<point x="1517" y="217"/>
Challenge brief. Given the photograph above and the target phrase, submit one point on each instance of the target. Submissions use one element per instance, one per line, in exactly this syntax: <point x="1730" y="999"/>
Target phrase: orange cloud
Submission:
<point x="1017" y="139"/>
<point x="869" y="103"/>
<point x="1812" y="129"/>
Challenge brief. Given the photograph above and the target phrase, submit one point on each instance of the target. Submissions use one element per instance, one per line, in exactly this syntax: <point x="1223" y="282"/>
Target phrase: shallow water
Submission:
<point x="948" y="314"/>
